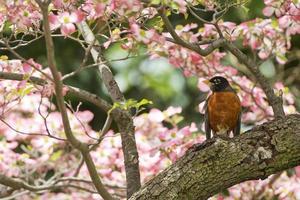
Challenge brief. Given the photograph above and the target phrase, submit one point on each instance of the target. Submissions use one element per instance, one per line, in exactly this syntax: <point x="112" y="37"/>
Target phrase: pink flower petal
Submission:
<point x="67" y="29"/>
<point x="268" y="11"/>
<point x="202" y="86"/>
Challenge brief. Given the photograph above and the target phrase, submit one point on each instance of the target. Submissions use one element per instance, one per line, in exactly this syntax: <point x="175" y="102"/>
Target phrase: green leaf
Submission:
<point x="56" y="155"/>
<point x="115" y="105"/>
<point x="281" y="57"/>
<point x="143" y="102"/>
<point x="155" y="22"/>
<point x="130" y="103"/>
<point x="245" y="9"/>
<point x="24" y="91"/>
<point x="155" y="2"/>
<point x="176" y="119"/>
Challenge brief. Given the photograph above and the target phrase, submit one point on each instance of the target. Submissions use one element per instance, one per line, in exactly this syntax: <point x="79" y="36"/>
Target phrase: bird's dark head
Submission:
<point x="218" y="84"/>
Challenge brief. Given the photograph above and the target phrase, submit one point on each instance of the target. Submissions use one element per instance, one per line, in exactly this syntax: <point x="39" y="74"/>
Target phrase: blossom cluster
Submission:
<point x="285" y="187"/>
<point x="24" y="16"/>
<point x="34" y="143"/>
<point x="287" y="13"/>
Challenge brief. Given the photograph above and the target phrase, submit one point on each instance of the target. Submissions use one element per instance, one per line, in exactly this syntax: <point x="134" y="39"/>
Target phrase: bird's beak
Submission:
<point x="207" y="82"/>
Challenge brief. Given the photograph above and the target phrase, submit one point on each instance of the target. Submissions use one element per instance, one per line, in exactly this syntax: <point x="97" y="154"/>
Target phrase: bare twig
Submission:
<point x="24" y="60"/>
<point x="21" y="43"/>
<point x="17" y="184"/>
<point x="30" y="134"/>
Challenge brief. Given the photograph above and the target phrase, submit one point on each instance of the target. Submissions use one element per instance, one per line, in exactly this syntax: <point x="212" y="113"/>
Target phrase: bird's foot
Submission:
<point x="206" y="143"/>
<point x="224" y="137"/>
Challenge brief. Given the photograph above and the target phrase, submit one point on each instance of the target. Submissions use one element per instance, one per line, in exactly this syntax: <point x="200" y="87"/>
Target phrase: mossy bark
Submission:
<point x="215" y="165"/>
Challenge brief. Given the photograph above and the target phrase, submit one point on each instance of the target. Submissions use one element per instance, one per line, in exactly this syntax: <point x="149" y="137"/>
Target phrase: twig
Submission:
<point x="204" y="52"/>
<point x="82" y="94"/>
<point x="31" y="134"/>
<point x="24" y="60"/>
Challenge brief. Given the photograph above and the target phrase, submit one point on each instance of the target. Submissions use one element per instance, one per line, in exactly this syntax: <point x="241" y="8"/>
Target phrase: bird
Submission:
<point x="222" y="109"/>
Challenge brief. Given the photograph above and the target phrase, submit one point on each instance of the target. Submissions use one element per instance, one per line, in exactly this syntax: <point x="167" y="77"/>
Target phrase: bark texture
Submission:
<point x="208" y="168"/>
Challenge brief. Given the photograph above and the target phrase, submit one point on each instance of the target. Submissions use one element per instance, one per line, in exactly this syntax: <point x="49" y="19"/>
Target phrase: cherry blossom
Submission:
<point x="66" y="21"/>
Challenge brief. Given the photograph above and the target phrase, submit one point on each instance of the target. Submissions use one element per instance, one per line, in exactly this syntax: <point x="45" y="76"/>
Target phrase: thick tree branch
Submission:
<point x="121" y="117"/>
<point x="215" y="165"/>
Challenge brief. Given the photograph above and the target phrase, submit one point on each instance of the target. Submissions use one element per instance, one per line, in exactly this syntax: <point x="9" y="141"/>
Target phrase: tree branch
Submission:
<point x="274" y="101"/>
<point x="203" y="52"/>
<point x="17" y="184"/>
<point x="82" y="94"/>
<point x="121" y="117"/>
<point x="58" y="85"/>
<point x="215" y="165"/>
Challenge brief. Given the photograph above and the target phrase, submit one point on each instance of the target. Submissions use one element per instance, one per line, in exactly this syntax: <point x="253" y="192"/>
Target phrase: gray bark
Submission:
<point x="215" y="165"/>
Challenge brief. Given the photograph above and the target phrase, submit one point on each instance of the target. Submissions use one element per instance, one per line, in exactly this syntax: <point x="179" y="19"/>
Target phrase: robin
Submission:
<point x="222" y="109"/>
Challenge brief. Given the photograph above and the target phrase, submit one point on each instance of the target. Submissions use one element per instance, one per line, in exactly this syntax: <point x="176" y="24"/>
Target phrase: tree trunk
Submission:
<point x="215" y="165"/>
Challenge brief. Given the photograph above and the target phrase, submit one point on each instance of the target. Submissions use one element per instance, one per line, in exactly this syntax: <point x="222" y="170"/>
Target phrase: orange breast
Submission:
<point x="223" y="111"/>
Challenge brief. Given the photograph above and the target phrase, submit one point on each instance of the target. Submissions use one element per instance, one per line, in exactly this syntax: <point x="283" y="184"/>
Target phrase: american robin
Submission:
<point x="222" y="109"/>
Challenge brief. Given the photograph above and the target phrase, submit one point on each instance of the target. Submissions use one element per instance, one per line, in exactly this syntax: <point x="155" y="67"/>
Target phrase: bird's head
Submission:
<point x="218" y="84"/>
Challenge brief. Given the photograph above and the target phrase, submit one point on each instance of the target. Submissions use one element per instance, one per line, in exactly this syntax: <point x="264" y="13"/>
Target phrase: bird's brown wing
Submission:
<point x="237" y="129"/>
<point x="206" y="120"/>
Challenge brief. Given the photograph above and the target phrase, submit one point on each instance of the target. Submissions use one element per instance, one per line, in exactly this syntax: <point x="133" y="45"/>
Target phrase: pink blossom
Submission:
<point x="66" y="21"/>
<point x="268" y="11"/>
<point x="156" y="115"/>
<point x="202" y="86"/>
<point x="172" y="111"/>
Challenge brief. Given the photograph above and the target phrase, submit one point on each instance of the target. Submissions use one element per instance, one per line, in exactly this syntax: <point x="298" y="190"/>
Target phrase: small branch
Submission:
<point x="82" y="94"/>
<point x="86" y="55"/>
<point x="274" y="101"/>
<point x="25" y="61"/>
<point x="106" y="126"/>
<point x="17" y="184"/>
<point x="197" y="16"/>
<point x="82" y="147"/>
<point x="21" y="43"/>
<point x="103" y="132"/>
<point x="121" y="117"/>
<point x="31" y="134"/>
<point x="203" y="52"/>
